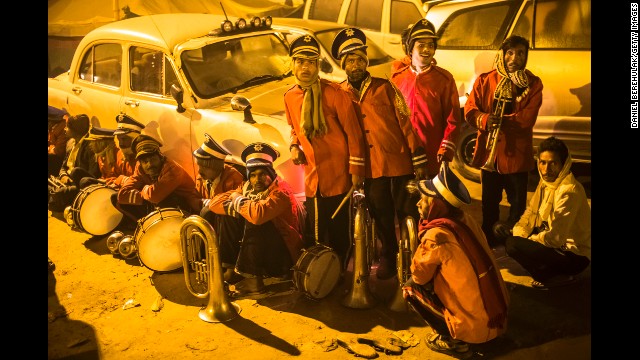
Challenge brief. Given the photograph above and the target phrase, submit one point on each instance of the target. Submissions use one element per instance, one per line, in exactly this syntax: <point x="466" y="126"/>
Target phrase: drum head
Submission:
<point x="97" y="215"/>
<point x="317" y="271"/>
<point x="159" y="243"/>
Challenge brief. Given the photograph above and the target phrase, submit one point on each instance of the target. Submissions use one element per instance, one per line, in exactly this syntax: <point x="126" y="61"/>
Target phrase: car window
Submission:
<point x="476" y="28"/>
<point x="102" y="65"/>
<point x="225" y="66"/>
<point x="563" y="24"/>
<point x="403" y="14"/>
<point x="150" y="71"/>
<point x="327" y="10"/>
<point x="365" y="14"/>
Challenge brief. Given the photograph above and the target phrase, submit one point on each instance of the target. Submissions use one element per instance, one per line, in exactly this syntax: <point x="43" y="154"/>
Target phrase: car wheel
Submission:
<point x="464" y="155"/>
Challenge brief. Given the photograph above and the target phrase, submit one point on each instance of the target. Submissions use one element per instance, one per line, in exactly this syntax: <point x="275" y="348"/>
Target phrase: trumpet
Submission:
<point x="407" y="246"/>
<point x="194" y="233"/>
<point x="359" y="296"/>
<point x="492" y="139"/>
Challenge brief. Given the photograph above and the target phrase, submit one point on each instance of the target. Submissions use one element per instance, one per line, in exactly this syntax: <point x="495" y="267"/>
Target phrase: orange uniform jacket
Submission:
<point x="173" y="178"/>
<point x="514" y="151"/>
<point x="230" y="179"/>
<point x="280" y="207"/>
<point x="123" y="169"/>
<point x="393" y="147"/>
<point x="433" y="99"/>
<point x="440" y="258"/>
<point x="334" y="155"/>
<point x="58" y="139"/>
<point x="108" y="171"/>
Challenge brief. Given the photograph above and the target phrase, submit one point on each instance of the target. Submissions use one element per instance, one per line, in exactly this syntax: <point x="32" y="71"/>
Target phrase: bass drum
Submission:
<point x="93" y="212"/>
<point x="317" y="271"/>
<point x="157" y="239"/>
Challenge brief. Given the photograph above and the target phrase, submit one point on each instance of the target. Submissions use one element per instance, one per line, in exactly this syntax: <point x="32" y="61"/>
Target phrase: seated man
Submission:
<point x="157" y="182"/>
<point x="57" y="139"/>
<point x="126" y="131"/>
<point x="270" y="241"/>
<point x="552" y="239"/>
<point x="455" y="284"/>
<point x="103" y="145"/>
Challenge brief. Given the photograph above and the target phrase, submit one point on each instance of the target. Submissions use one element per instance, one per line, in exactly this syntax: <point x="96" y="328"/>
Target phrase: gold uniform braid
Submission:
<point x="399" y="101"/>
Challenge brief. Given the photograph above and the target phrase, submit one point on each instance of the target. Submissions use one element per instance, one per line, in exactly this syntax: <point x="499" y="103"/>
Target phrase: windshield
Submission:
<point x="375" y="54"/>
<point x="229" y="65"/>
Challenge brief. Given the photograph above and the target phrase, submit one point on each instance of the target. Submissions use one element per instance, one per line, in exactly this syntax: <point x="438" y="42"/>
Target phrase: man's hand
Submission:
<point x="493" y="121"/>
<point x="297" y="155"/>
<point x="421" y="173"/>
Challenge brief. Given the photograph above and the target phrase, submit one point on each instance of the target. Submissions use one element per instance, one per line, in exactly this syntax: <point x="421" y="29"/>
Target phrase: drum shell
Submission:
<point x="93" y="212"/>
<point x="157" y="239"/>
<point x="317" y="271"/>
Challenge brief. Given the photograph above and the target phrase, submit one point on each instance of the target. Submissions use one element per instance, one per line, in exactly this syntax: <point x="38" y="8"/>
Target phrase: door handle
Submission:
<point x="132" y="103"/>
<point x="76" y="90"/>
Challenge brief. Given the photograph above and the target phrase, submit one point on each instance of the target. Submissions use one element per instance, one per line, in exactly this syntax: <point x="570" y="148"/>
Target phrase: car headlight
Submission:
<point x="241" y="24"/>
<point x="226" y="26"/>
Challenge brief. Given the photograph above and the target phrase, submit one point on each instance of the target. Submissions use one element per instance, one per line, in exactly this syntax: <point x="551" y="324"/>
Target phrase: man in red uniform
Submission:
<point x="156" y="182"/>
<point x="394" y="154"/>
<point x="505" y="100"/>
<point x="455" y="284"/>
<point x="270" y="240"/>
<point x="431" y="94"/>
<point x="326" y="138"/>
<point x="127" y="130"/>
<point x="57" y="139"/>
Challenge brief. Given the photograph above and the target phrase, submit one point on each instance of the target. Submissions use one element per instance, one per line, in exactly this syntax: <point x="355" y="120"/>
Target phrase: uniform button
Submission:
<point x="367" y="131"/>
<point x="364" y="116"/>
<point x="370" y="146"/>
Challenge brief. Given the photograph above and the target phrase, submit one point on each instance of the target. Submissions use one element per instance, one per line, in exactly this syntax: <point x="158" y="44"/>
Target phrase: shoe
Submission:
<point x="445" y="344"/>
<point x="381" y="345"/>
<point x="386" y="269"/>
<point x="359" y="350"/>
<point x="247" y="294"/>
<point x="557" y="281"/>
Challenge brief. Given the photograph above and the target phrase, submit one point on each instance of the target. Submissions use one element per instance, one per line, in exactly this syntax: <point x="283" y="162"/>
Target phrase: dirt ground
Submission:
<point x="90" y="288"/>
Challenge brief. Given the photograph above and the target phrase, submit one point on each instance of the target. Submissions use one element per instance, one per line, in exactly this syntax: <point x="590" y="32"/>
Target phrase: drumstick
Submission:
<point x="346" y="197"/>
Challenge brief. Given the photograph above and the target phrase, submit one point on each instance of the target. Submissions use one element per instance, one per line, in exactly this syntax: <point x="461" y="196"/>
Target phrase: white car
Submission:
<point x="183" y="75"/>
<point x="325" y="32"/>
<point x="559" y="32"/>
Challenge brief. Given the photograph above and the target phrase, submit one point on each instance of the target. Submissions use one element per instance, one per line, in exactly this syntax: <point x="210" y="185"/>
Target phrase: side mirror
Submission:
<point x="177" y="94"/>
<point x="325" y="66"/>
<point x="241" y="103"/>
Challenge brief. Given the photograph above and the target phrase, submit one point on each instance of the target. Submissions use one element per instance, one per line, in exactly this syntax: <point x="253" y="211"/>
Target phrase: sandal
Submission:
<point x="359" y="350"/>
<point x="246" y="294"/>
<point x="556" y="281"/>
<point x="384" y="346"/>
<point x="398" y="342"/>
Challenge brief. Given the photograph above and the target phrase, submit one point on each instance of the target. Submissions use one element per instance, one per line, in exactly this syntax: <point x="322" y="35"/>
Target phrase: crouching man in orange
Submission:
<point x="455" y="284"/>
<point x="270" y="241"/>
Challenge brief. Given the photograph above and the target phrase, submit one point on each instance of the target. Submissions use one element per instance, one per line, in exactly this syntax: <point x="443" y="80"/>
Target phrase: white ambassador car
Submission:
<point x="183" y="76"/>
<point x="325" y="32"/>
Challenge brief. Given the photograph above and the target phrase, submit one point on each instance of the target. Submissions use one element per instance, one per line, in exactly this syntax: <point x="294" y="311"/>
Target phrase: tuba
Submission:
<point x="197" y="234"/>
<point x="492" y="139"/>
<point x="359" y="296"/>
<point x="407" y="246"/>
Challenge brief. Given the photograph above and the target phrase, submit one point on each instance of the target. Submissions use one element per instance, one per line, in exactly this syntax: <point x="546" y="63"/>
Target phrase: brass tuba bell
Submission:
<point x="359" y="296"/>
<point x="195" y="234"/>
<point x="407" y="246"/>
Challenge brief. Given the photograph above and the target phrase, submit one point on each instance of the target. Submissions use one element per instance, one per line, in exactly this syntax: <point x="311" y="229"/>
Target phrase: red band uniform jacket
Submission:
<point x="433" y="99"/>
<point x="123" y="169"/>
<point x="280" y="206"/>
<point x="393" y="147"/>
<point x="229" y="179"/>
<point x="332" y="157"/>
<point x="173" y="178"/>
<point x="514" y="148"/>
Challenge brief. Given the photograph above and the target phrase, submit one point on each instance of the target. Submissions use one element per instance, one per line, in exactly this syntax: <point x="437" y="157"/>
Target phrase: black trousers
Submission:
<point x="493" y="183"/>
<point x="321" y="229"/>
<point x="543" y="262"/>
<point x="229" y="231"/>
<point x="425" y="302"/>
<point x="387" y="200"/>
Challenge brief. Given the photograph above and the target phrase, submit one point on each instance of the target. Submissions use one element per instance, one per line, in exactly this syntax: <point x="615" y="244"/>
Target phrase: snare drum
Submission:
<point x="157" y="239"/>
<point x="317" y="271"/>
<point x="93" y="212"/>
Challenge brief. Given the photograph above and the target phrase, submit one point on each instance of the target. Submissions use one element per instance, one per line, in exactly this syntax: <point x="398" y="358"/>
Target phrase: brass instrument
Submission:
<point x="359" y="296"/>
<point x="407" y="246"/>
<point x="492" y="139"/>
<point x="194" y="233"/>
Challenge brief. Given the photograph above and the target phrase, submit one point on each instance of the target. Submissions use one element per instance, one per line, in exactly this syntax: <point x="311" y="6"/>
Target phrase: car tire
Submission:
<point x="464" y="154"/>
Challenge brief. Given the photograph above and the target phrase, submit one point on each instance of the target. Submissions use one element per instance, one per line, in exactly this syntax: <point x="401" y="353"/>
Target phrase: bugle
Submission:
<point x="492" y="139"/>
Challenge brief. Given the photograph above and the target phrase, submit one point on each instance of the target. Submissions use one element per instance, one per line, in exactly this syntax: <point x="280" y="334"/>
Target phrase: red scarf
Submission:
<point x="488" y="276"/>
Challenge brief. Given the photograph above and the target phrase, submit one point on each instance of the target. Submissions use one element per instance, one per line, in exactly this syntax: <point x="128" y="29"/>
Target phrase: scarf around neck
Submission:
<point x="546" y="204"/>
<point x="504" y="87"/>
<point x="312" y="120"/>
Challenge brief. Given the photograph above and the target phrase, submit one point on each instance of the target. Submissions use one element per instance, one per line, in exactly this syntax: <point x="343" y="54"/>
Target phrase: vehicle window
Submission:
<point x="146" y="70"/>
<point x="225" y="66"/>
<point x="403" y="14"/>
<point x="563" y="24"/>
<point x="102" y="65"/>
<point x="365" y="14"/>
<point x="476" y="28"/>
<point x="327" y="10"/>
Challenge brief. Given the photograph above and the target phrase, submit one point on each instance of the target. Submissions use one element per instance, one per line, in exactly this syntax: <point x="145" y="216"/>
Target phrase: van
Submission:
<point x="559" y="32"/>
<point x="381" y="20"/>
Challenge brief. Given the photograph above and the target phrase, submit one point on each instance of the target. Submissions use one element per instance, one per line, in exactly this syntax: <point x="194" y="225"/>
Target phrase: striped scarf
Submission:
<point x="519" y="77"/>
<point x="312" y="121"/>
